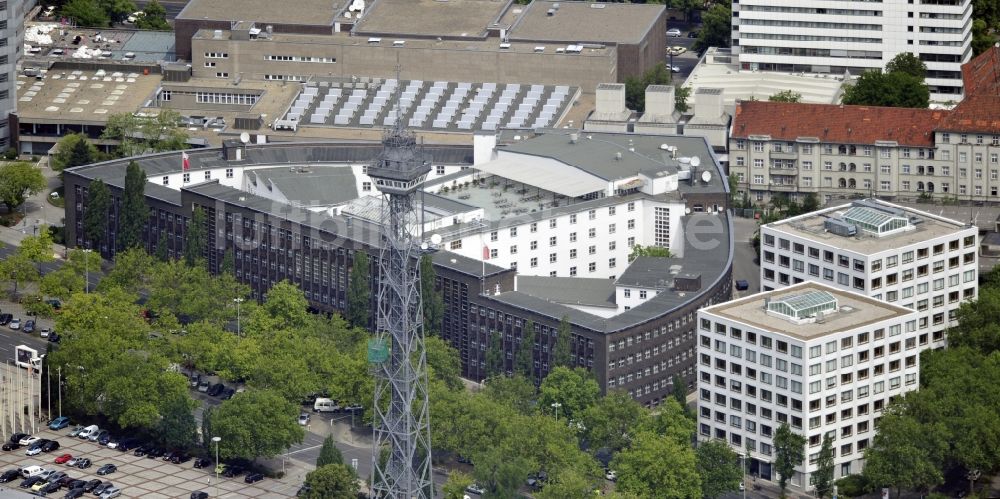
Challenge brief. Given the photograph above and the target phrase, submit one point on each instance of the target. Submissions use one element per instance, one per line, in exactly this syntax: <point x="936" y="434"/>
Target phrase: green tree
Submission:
<point x="823" y="476"/>
<point x="718" y="468"/>
<point x="649" y="251"/>
<point x="657" y="466"/>
<point x="155" y="17"/>
<point x="134" y="212"/>
<point x="333" y="481"/>
<point x="716" y="28"/>
<point x="433" y="302"/>
<point x="681" y="96"/>
<point x="905" y="453"/>
<point x="896" y="89"/>
<point x="517" y="392"/>
<point x="85" y="13"/>
<point x="611" y="421"/>
<point x="144" y="134"/>
<point x="130" y="273"/>
<point x="18" y="180"/>
<point x="786" y="96"/>
<point x="329" y="453"/>
<point x="256" y="423"/>
<point x="982" y="39"/>
<point x="68" y="279"/>
<point x="495" y="355"/>
<point x="635" y="86"/>
<point x="73" y="149"/>
<point x="567" y="483"/>
<point x="177" y="428"/>
<point x="228" y="265"/>
<point x="679" y="391"/>
<point x="906" y="62"/>
<point x="670" y="420"/>
<point x="359" y="291"/>
<point x="454" y="488"/>
<point x="161" y="252"/>
<point x="194" y="247"/>
<point x="117" y="10"/>
<point x="573" y="389"/>
<point x="810" y="203"/>
<point x="524" y="359"/>
<point x="17" y="269"/>
<point x="444" y="363"/>
<point x="95" y="218"/>
<point x="562" y="354"/>
<point x="789" y="451"/>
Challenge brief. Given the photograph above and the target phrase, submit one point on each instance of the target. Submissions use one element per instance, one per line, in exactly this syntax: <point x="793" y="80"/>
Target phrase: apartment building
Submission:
<point x="12" y="38"/>
<point x="823" y="360"/>
<point x="814" y="36"/>
<point x="842" y="152"/>
<point x="902" y="256"/>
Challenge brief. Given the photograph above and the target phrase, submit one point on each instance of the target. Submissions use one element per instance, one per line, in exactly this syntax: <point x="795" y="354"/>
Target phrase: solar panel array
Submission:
<point x="437" y="105"/>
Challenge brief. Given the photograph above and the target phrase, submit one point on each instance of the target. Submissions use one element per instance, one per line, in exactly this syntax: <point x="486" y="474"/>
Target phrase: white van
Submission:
<point x="88" y="431"/>
<point x="325" y="405"/>
<point x="30" y="471"/>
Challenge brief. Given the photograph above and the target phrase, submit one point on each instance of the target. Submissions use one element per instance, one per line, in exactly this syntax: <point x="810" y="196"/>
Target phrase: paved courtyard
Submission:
<point x="145" y="478"/>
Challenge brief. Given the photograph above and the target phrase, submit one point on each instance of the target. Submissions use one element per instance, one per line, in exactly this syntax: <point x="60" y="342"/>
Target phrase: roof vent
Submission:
<point x="618" y="156"/>
<point x="573" y="137"/>
<point x="550" y="12"/>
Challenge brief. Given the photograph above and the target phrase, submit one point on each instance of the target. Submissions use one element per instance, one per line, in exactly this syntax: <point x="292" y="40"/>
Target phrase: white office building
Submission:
<point x="898" y="255"/>
<point x="817" y="36"/>
<point x="823" y="360"/>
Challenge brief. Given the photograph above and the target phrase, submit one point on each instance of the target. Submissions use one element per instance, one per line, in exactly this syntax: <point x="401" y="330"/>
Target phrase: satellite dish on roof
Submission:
<point x="706" y="176"/>
<point x="435" y="239"/>
<point x="245" y="137"/>
<point x="695" y="161"/>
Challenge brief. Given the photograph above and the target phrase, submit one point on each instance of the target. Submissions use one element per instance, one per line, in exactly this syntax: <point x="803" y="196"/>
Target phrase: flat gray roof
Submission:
<point x="855" y="311"/>
<point x="590" y="292"/>
<point x="576" y="22"/>
<point x="263" y="12"/>
<point x="453" y="18"/>
<point x="810" y="226"/>
<point x="316" y="184"/>
<point x="648" y="272"/>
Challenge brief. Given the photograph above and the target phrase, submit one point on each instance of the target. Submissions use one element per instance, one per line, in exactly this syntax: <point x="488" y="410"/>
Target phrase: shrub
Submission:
<point x="852" y="486"/>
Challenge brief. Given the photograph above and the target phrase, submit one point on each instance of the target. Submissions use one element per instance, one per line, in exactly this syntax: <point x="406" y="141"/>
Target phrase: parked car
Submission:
<point x="202" y="462"/>
<point x="30" y="471"/>
<point x="30" y="481"/>
<point x="254" y="477"/>
<point x="5" y="319"/>
<point x="304" y="418"/>
<point x="742" y="285"/>
<point x="93" y="437"/>
<point x="34" y="450"/>
<point x="54" y="337"/>
<point x="75" y="493"/>
<point x="107" y="469"/>
<point x="15" y="438"/>
<point x="10" y="475"/>
<point x="180" y="458"/>
<point x="195" y="380"/>
<point x="233" y="471"/>
<point x="50" y="446"/>
<point x="59" y="423"/>
<point x="29" y="326"/>
<point x="203" y="386"/>
<point x="91" y="485"/>
<point x="44" y="333"/>
<point x="199" y="495"/>
<point x="88" y="431"/>
<point x="84" y="463"/>
<point x="15" y="324"/>
<point x="11" y="446"/>
<point x="111" y="493"/>
<point x="692" y="34"/>
<point x="72" y="461"/>
<point x="228" y="393"/>
<point x="475" y="489"/>
<point x="155" y="452"/>
<point x="112" y="442"/>
<point x="49" y="488"/>
<point x="75" y="432"/>
<point x="216" y="390"/>
<point x="103" y="437"/>
<point x="28" y="440"/>
<point x="674" y="32"/>
<point x="74" y="483"/>
<point x="102" y="487"/>
<point x="128" y="444"/>
<point x="142" y="450"/>
<point x="63" y="459"/>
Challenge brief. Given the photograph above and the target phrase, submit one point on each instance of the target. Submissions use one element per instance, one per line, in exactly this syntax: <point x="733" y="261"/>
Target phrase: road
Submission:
<point x="746" y="264"/>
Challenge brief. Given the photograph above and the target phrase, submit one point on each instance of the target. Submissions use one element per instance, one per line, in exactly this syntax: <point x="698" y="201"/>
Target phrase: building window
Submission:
<point x="366" y="186"/>
<point x="186" y="178"/>
<point x="166" y="180"/>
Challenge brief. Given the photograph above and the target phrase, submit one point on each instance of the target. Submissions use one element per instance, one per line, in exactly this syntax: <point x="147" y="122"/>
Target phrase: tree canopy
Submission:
<point x="900" y="85"/>
<point x="256" y="423"/>
<point x="789" y="452"/>
<point x="359" y="291"/>
<point x="134" y="212"/>
<point x="786" y="96"/>
<point x="658" y="466"/>
<point x="716" y="28"/>
<point x="146" y="134"/>
<point x="333" y="481"/>
<point x="719" y="469"/>
<point x="74" y="149"/>
<point x="95" y="218"/>
<point x="18" y="180"/>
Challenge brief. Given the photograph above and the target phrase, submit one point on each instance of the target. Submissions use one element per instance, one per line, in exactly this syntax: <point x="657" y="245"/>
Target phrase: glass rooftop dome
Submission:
<point x="803" y="305"/>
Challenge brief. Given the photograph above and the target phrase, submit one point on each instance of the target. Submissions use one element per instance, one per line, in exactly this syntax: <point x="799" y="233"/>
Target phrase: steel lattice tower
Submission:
<point x="402" y="424"/>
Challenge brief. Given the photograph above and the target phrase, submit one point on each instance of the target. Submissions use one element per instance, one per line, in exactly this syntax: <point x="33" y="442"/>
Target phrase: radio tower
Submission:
<point x="402" y="424"/>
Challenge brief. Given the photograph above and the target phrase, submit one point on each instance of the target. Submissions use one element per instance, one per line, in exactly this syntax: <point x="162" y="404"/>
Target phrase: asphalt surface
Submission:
<point x="173" y="7"/>
<point x="746" y="262"/>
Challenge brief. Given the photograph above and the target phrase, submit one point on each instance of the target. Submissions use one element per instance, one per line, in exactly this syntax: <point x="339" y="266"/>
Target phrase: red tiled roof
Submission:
<point x="837" y="123"/>
<point x="976" y="113"/>
<point x="981" y="75"/>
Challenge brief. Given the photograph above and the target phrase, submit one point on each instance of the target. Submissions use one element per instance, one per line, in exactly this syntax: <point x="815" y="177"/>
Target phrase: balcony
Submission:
<point x="784" y="155"/>
<point x="784" y="187"/>
<point x="783" y="171"/>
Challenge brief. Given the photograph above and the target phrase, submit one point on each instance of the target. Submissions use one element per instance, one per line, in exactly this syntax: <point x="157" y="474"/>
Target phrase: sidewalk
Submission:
<point x="38" y="211"/>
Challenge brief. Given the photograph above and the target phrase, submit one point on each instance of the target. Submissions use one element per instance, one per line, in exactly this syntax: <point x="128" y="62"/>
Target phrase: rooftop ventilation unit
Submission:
<point x="550" y="12"/>
<point x="840" y="227"/>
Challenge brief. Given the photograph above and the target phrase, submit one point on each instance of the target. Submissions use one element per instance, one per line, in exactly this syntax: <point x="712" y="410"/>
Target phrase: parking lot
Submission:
<point x="141" y="476"/>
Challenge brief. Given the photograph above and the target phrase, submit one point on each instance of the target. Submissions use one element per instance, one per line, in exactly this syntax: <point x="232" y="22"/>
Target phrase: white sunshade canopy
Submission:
<point x="546" y="173"/>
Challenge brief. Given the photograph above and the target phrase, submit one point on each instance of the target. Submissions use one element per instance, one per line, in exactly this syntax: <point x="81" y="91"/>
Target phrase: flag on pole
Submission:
<point x="486" y="252"/>
<point x="185" y="161"/>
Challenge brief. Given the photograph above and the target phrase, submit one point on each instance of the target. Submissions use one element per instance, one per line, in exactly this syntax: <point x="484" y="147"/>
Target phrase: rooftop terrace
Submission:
<point x="854" y="311"/>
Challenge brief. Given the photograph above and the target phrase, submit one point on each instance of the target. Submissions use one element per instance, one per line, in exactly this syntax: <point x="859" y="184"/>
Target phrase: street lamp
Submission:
<point x="216" y="440"/>
<point x="237" y="301"/>
<point x="86" y="267"/>
<point x="556" y="406"/>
